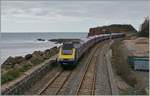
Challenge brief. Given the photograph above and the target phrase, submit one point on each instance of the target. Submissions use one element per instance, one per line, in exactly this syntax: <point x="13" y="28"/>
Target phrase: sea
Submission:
<point x="20" y="44"/>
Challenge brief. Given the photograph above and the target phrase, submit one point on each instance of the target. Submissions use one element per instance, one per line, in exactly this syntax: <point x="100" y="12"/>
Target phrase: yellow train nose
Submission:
<point x="66" y="56"/>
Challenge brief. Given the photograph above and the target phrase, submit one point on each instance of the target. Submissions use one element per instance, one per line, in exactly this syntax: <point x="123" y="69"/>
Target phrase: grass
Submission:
<point x="120" y="64"/>
<point x="10" y="75"/>
<point x="13" y="74"/>
<point x="36" y="61"/>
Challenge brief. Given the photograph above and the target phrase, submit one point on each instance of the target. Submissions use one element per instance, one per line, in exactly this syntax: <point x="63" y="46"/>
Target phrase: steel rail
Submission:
<point x="86" y="69"/>
<point x="50" y="82"/>
<point x="94" y="79"/>
<point x="109" y="80"/>
<point x="63" y="83"/>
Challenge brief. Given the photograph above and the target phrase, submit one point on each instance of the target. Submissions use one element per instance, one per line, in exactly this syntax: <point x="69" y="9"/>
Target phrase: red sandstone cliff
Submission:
<point x="112" y="28"/>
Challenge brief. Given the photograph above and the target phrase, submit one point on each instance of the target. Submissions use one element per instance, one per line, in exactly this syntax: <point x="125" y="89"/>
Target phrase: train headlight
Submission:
<point x="71" y="59"/>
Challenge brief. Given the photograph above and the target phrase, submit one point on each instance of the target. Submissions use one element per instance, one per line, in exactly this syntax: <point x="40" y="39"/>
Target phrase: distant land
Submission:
<point x="125" y="28"/>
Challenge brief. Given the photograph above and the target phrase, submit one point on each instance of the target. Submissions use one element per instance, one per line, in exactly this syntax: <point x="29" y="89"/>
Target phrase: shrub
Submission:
<point x="13" y="74"/>
<point x="144" y="30"/>
<point x="36" y="60"/>
<point x="10" y="75"/>
<point x="121" y="65"/>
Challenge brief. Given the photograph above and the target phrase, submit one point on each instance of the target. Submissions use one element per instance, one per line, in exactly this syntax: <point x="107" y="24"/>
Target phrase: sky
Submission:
<point x="69" y="16"/>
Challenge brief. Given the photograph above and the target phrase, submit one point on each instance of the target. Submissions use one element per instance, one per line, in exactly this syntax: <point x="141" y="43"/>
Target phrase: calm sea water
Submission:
<point x="20" y="44"/>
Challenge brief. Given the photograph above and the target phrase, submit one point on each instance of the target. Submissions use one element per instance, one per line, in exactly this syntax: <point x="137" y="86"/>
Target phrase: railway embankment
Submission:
<point x="92" y="76"/>
<point x="19" y="73"/>
<point x="128" y="80"/>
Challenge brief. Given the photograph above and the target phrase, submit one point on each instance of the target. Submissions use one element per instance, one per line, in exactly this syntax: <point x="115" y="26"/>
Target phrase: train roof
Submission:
<point x="83" y="40"/>
<point x="66" y="40"/>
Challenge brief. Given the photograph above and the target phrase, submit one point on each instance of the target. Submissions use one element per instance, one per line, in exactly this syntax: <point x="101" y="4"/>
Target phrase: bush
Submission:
<point x="13" y="74"/>
<point x="25" y="67"/>
<point x="121" y="65"/>
<point x="36" y="60"/>
<point x="144" y="31"/>
<point x="13" y="67"/>
<point x="10" y="75"/>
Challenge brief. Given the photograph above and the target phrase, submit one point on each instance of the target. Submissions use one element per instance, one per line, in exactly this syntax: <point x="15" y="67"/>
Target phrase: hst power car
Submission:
<point x="67" y="55"/>
<point x="70" y="52"/>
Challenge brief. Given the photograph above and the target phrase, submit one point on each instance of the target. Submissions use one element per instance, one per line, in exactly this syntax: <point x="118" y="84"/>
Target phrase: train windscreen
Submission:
<point x="67" y="52"/>
<point x="67" y="49"/>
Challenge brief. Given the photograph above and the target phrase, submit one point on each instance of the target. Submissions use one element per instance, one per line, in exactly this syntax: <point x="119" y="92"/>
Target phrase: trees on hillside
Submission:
<point x="144" y="29"/>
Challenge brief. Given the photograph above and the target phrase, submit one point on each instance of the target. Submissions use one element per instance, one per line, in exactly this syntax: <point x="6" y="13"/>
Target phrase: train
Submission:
<point x="71" y="52"/>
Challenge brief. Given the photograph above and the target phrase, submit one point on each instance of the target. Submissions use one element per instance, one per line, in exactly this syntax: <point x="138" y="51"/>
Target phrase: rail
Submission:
<point x="86" y="69"/>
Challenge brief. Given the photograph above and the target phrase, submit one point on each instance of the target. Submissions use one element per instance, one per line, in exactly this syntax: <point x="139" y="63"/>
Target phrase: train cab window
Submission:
<point x="67" y="52"/>
<point x="67" y="49"/>
<point x="67" y="46"/>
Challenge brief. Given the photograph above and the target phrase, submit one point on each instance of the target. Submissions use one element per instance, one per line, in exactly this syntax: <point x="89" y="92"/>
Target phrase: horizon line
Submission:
<point x="46" y="32"/>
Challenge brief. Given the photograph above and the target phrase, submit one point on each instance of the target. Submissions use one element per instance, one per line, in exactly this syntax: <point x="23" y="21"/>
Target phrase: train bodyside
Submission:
<point x="89" y="43"/>
<point x="83" y="47"/>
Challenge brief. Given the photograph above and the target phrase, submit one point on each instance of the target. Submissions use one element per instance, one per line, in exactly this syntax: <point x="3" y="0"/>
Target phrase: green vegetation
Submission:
<point x="36" y="61"/>
<point x="13" y="74"/>
<point x="129" y="91"/>
<point x="14" y="67"/>
<point x="144" y="30"/>
<point x="120" y="64"/>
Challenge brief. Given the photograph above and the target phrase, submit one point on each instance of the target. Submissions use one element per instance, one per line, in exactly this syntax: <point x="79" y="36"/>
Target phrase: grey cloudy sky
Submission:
<point x="69" y="16"/>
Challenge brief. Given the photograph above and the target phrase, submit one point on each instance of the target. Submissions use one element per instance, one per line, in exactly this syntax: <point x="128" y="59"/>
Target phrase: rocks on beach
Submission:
<point x="34" y="58"/>
<point x="40" y="39"/>
<point x="65" y="40"/>
<point x="28" y="56"/>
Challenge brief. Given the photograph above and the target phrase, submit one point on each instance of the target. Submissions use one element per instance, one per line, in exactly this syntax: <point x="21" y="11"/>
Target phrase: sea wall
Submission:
<point x="19" y="73"/>
<point x="24" y="82"/>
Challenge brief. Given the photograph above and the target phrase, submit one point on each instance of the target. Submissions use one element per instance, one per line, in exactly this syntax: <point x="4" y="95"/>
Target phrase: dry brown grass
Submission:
<point x="120" y="64"/>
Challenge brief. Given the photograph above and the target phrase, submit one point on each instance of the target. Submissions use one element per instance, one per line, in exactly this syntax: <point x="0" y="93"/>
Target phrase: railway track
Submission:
<point x="54" y="86"/>
<point x="44" y="85"/>
<point x="56" y="83"/>
<point x="90" y="77"/>
<point x="103" y="86"/>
